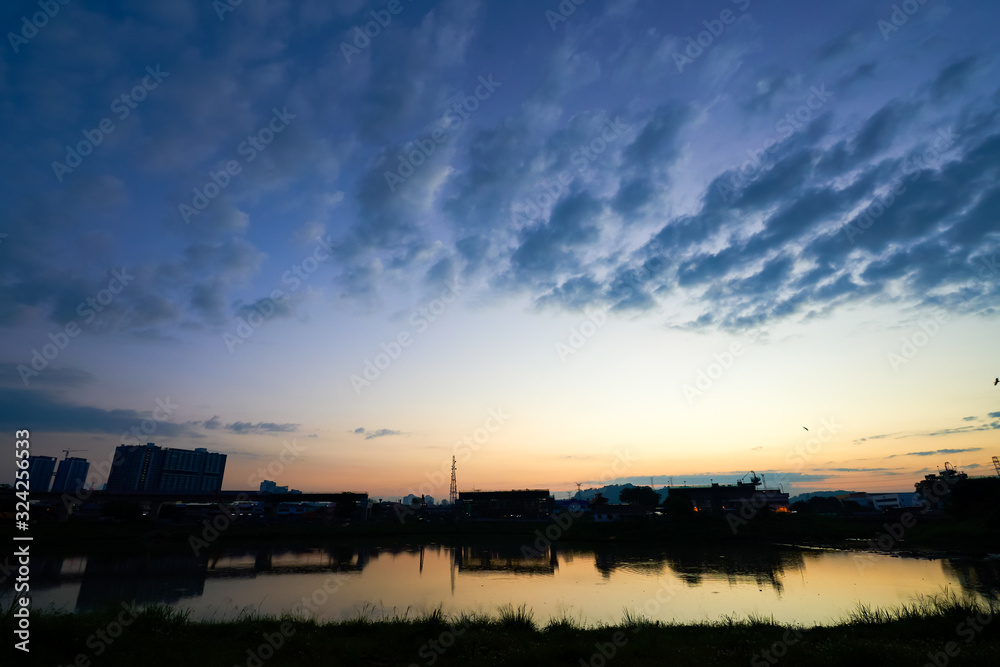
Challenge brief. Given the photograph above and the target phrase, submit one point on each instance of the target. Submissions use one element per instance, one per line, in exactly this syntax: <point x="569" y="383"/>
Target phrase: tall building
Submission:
<point x="71" y="476"/>
<point x="135" y="468"/>
<point x="197" y="471"/>
<point x="151" y="468"/>
<point x="40" y="471"/>
<point x="267" y="486"/>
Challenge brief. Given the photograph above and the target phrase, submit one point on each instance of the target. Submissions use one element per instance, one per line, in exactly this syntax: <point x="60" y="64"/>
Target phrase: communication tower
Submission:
<point x="453" y="496"/>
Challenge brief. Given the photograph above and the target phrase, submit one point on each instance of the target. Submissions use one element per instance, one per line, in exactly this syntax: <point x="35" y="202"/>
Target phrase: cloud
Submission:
<point x="43" y="412"/>
<point x="991" y="426"/>
<point x="886" y="471"/>
<point x="244" y="428"/>
<point x="874" y="437"/>
<point x="938" y="452"/>
<point x="533" y="193"/>
<point x="379" y="433"/>
<point x="52" y="378"/>
<point x="724" y="477"/>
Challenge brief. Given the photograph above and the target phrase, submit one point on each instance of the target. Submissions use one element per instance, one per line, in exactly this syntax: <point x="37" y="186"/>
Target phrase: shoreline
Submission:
<point x="939" y="538"/>
<point x="904" y="635"/>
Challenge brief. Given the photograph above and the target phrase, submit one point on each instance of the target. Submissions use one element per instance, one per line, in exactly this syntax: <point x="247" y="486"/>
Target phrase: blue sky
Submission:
<point x="294" y="230"/>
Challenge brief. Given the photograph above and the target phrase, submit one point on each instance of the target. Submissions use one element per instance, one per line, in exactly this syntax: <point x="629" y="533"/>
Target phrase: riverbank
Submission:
<point x="975" y="537"/>
<point x="947" y="629"/>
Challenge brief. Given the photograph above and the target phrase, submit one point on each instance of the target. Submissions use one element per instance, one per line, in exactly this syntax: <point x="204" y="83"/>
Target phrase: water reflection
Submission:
<point x="505" y="559"/>
<point x="251" y="560"/>
<point x="144" y="578"/>
<point x="975" y="576"/>
<point x="764" y="567"/>
<point x="594" y="581"/>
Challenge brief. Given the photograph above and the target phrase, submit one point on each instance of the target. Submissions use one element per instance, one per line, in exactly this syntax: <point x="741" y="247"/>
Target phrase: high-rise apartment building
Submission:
<point x="154" y="469"/>
<point x="71" y="476"/>
<point x="40" y="471"/>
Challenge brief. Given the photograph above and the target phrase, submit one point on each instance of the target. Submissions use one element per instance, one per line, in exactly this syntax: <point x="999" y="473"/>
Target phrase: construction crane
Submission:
<point x="754" y="479"/>
<point x="70" y="450"/>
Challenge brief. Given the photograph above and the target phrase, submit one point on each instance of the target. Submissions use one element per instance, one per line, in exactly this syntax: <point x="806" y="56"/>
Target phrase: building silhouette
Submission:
<point x="154" y="469"/>
<point x="71" y="476"/>
<point x="524" y="504"/>
<point x="40" y="471"/>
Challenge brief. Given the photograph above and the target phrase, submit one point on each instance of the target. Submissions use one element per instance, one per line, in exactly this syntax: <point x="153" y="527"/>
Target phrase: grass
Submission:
<point x="162" y="635"/>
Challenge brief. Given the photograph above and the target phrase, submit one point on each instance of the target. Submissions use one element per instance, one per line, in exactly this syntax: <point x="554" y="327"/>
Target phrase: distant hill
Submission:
<point x="818" y="494"/>
<point x="611" y="492"/>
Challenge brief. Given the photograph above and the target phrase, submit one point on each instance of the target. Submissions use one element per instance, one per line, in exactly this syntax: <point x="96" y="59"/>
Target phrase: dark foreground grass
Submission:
<point x="941" y="631"/>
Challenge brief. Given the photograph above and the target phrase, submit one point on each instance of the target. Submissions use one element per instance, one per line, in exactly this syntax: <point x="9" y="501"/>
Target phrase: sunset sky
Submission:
<point x="603" y="242"/>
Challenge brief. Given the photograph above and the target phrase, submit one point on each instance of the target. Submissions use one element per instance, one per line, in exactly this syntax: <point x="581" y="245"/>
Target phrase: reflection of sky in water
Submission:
<point x="595" y="584"/>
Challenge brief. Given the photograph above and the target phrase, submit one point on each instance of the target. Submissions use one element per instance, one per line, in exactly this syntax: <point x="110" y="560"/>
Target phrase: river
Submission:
<point x="588" y="584"/>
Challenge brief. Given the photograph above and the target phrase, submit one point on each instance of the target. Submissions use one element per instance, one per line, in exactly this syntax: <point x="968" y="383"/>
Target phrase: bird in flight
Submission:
<point x="805" y="427"/>
<point x="996" y="382"/>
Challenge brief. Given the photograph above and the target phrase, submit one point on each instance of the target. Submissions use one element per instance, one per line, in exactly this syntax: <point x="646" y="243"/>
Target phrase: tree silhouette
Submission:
<point x="640" y="495"/>
<point x="598" y="501"/>
<point x="678" y="505"/>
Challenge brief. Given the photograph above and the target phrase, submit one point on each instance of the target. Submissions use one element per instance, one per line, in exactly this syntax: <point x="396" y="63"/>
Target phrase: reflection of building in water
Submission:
<point x="249" y="561"/>
<point x="762" y="566"/>
<point x="629" y="559"/>
<point x="975" y="576"/>
<point x="506" y="559"/>
<point x="144" y="578"/>
<point x="46" y="571"/>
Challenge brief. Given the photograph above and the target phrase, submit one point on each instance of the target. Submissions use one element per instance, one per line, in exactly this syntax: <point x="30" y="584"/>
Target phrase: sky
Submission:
<point x="595" y="242"/>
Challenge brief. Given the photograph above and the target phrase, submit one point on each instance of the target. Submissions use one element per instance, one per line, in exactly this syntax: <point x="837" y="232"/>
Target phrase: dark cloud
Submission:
<point x="841" y="45"/>
<point x="44" y="413"/>
<point x="938" y="452"/>
<point x="52" y="378"/>
<point x="379" y="433"/>
<point x="554" y="188"/>
<point x="860" y="73"/>
<point x="244" y="428"/>
<point x="991" y="426"/>
<point x="952" y="79"/>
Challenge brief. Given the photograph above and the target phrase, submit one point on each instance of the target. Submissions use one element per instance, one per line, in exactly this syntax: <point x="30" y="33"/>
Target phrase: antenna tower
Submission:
<point x="453" y="496"/>
<point x="996" y="464"/>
